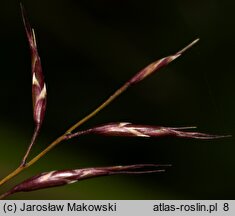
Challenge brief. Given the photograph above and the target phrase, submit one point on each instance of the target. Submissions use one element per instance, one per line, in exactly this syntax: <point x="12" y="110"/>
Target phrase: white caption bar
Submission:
<point x="118" y="207"/>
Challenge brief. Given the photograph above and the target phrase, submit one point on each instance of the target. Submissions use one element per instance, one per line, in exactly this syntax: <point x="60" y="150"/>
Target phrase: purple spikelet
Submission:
<point x="126" y="129"/>
<point x="39" y="92"/>
<point x="64" y="177"/>
<point x="155" y="66"/>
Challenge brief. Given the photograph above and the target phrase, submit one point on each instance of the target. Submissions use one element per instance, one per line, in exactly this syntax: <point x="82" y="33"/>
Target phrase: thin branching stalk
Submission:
<point x="35" y="134"/>
<point x="153" y="67"/>
<point x="64" y="177"/>
<point x="150" y="69"/>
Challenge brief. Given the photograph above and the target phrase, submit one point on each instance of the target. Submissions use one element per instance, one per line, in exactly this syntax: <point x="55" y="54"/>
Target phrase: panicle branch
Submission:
<point x="63" y="177"/>
<point x="147" y="71"/>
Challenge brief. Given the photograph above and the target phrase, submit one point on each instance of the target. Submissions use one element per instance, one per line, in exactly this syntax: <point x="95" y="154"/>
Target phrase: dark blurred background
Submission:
<point x="89" y="49"/>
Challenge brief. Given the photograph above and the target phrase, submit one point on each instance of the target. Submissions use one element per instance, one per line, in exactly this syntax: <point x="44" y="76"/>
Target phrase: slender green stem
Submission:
<point x="21" y="168"/>
<point x="64" y="136"/>
<point x="12" y="174"/>
<point x="102" y="106"/>
<point x="135" y="79"/>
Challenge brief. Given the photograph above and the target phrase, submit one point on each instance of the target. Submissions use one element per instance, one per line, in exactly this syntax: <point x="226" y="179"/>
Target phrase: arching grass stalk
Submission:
<point x="61" y="177"/>
<point x="153" y="67"/>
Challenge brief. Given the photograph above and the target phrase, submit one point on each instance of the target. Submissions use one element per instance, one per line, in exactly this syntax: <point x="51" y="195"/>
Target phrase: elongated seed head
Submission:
<point x="64" y="177"/>
<point x="39" y="91"/>
<point x="133" y="130"/>
<point x="155" y="66"/>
